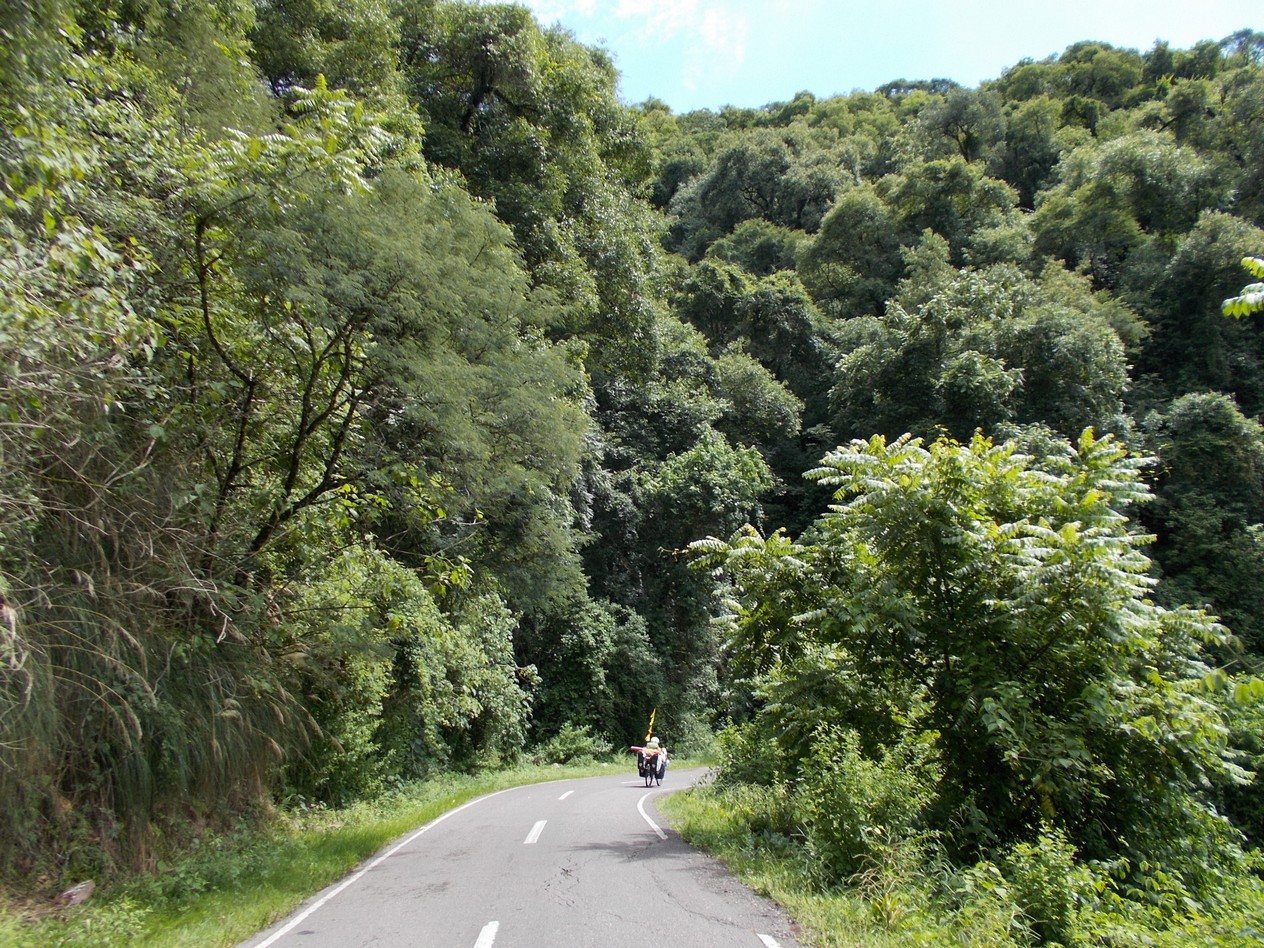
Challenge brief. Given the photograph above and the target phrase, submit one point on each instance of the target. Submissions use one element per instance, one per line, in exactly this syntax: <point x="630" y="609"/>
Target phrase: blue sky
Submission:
<point x="697" y="54"/>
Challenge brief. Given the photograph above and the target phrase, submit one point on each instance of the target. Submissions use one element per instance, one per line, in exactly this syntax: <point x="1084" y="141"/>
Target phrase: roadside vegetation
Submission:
<point x="969" y="715"/>
<point x="912" y="894"/>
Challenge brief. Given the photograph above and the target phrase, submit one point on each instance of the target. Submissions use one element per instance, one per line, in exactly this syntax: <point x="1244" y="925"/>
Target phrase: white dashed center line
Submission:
<point x="769" y="941"/>
<point x="535" y="833"/>
<point x="487" y="937"/>
<point x="566" y="794"/>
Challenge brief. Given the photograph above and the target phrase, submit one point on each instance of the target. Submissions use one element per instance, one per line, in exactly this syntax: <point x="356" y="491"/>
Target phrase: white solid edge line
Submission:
<point x="535" y="833"/>
<point x="566" y="794"/>
<point x="302" y="916"/>
<point x="769" y="941"/>
<point x="640" y="807"/>
<point x="487" y="937"/>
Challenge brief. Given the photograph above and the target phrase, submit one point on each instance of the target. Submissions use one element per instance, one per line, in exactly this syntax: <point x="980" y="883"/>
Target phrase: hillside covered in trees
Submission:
<point x="368" y="369"/>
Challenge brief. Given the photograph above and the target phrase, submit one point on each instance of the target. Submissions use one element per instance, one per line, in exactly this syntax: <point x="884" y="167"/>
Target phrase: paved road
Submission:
<point x="572" y="864"/>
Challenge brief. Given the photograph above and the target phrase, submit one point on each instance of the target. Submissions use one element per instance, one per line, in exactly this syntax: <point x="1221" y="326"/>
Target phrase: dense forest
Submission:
<point x="380" y="395"/>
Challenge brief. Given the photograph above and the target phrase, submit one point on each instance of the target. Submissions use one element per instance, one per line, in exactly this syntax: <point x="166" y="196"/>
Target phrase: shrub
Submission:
<point x="746" y="758"/>
<point x="1048" y="886"/>
<point x="854" y="807"/>
<point x="766" y="811"/>
<point x="977" y="903"/>
<point x="571" y="744"/>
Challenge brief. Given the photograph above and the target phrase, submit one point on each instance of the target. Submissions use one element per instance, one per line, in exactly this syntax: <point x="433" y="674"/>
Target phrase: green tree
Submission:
<point x="773" y="318"/>
<point x="964" y="122"/>
<point x="100" y="548"/>
<point x="350" y="43"/>
<point x="852" y="266"/>
<point x="785" y="176"/>
<point x="285" y="350"/>
<point x="997" y="606"/>
<point x="759" y="248"/>
<point x="1242" y="139"/>
<point x="1208" y="510"/>
<point x="600" y="669"/>
<point x="1100" y="72"/>
<point x="1028" y="79"/>
<point x="710" y="484"/>
<point x="956" y="351"/>
<point x="759" y="410"/>
<point x="1035" y="141"/>
<point x="960" y="203"/>
<point x="1111" y="198"/>
<point x="1192" y="346"/>
<point x="531" y="121"/>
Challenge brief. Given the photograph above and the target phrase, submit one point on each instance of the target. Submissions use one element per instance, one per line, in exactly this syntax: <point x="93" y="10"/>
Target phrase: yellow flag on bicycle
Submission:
<point x="650" y="732"/>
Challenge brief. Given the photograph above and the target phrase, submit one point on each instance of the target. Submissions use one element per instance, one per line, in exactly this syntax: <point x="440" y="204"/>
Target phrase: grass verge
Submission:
<point x="913" y="901"/>
<point x="770" y="865"/>
<point x="227" y="888"/>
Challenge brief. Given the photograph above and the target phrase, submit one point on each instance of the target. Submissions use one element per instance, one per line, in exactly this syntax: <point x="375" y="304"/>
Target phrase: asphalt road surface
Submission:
<point x="573" y="864"/>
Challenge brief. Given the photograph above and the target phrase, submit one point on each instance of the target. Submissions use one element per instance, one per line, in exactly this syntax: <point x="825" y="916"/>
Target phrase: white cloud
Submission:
<point x="717" y="48"/>
<point x="658" y="19"/>
<point x="710" y="37"/>
<point x="710" y="26"/>
<point x="726" y="34"/>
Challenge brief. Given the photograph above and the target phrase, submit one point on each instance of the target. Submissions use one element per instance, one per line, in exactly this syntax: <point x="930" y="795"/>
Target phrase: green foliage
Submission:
<point x="783" y="176"/>
<point x="398" y="689"/>
<point x="964" y="122"/>
<point x="958" y="201"/>
<point x="573" y="743"/>
<point x="1035" y="141"/>
<point x="597" y="665"/>
<point x="532" y="122"/>
<point x="1100" y="72"/>
<point x="1208" y="507"/>
<point x="999" y="608"/>
<point x="1049" y="887"/>
<point x="985" y="347"/>
<point x="350" y="44"/>
<point x="759" y="247"/>
<point x="1192" y="347"/>
<point x="772" y="318"/>
<point x="852" y="266"/>
<point x="759" y="409"/>
<point x="1244" y="803"/>
<point x="854" y="809"/>
<point x="113" y="925"/>
<point x="457" y="696"/>
<point x="96" y="541"/>
<point x="749" y="758"/>
<point x="1111" y="195"/>
<point x="1251" y="299"/>
<point x="247" y="349"/>
<point x="918" y="897"/>
<point x="711" y="483"/>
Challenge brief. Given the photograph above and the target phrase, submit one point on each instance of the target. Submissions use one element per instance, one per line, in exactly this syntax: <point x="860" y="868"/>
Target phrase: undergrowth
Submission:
<point x="908" y="894"/>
